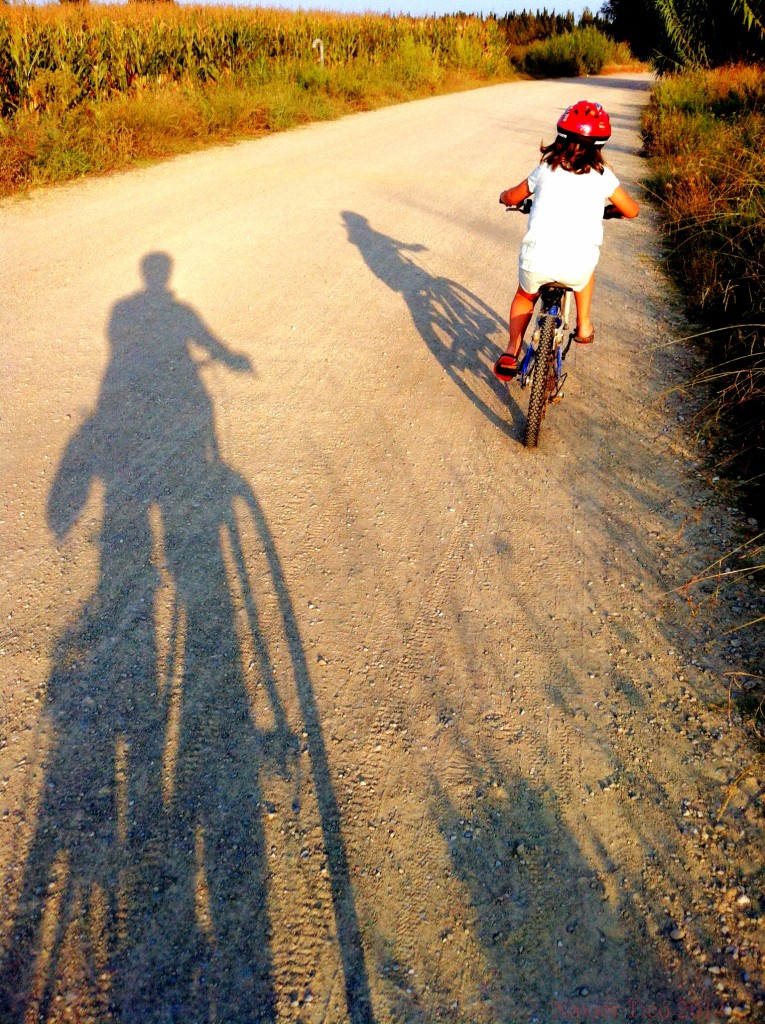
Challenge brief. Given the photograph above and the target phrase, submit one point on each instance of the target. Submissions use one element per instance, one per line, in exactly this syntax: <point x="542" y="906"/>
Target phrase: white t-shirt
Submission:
<point x="565" y="229"/>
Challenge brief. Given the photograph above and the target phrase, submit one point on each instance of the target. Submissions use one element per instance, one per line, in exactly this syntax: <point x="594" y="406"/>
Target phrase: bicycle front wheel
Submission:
<point x="542" y="382"/>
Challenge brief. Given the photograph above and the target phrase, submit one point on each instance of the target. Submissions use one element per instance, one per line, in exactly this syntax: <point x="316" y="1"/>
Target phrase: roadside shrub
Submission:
<point x="53" y="90"/>
<point x="585" y="51"/>
<point x="415" y="65"/>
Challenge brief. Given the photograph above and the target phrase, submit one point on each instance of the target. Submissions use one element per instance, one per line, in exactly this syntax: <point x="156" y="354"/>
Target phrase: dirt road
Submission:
<point x="323" y="699"/>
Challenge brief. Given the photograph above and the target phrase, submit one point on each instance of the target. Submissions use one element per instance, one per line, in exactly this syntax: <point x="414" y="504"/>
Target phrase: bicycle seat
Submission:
<point x="556" y="286"/>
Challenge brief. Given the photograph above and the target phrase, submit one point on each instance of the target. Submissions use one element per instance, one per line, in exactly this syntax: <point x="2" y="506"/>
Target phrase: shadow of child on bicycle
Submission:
<point x="457" y="326"/>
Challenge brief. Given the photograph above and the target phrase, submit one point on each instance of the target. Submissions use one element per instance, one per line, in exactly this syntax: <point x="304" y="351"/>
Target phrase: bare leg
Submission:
<point x="583" y="309"/>
<point x="520" y="313"/>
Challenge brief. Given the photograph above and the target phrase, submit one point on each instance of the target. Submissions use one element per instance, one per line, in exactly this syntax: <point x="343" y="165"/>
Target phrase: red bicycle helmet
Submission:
<point x="585" y="120"/>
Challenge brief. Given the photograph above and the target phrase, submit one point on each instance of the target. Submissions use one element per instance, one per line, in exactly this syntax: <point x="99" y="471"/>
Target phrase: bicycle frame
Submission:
<point x="542" y="365"/>
<point x="554" y="301"/>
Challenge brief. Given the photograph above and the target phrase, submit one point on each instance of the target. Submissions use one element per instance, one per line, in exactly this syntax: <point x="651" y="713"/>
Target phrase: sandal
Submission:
<point x="506" y="367"/>
<point x="582" y="341"/>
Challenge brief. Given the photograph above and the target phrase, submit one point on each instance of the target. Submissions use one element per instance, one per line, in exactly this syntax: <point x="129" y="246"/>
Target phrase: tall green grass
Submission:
<point x="704" y="132"/>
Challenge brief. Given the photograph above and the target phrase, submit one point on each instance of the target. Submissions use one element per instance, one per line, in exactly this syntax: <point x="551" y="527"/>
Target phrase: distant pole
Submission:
<point x="320" y="44"/>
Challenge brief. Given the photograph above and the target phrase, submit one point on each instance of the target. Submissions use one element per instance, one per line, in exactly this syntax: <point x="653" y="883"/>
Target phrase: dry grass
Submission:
<point x="703" y="132"/>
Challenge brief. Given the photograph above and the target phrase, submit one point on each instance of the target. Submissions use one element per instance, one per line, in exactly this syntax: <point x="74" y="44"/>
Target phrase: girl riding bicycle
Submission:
<point x="571" y="185"/>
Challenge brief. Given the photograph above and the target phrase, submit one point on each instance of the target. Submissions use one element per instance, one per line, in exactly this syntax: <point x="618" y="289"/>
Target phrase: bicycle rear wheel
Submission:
<point x="542" y="382"/>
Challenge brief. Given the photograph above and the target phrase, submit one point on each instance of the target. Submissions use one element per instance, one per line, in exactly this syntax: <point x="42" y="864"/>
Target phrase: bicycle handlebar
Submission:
<point x="524" y="207"/>
<point x="610" y="212"/>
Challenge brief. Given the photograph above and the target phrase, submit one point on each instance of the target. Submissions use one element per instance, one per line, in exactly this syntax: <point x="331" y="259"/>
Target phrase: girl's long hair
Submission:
<point x="576" y="155"/>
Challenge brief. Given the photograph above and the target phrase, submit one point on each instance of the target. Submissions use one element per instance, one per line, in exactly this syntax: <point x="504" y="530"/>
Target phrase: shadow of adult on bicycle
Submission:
<point x="146" y="885"/>
<point x="455" y="324"/>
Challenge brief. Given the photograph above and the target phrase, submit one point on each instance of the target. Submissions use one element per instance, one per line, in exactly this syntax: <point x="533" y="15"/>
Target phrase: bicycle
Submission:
<point x="541" y="367"/>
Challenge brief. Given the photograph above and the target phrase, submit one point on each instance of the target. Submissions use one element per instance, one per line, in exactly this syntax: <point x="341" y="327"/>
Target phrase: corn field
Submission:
<point x="63" y="56"/>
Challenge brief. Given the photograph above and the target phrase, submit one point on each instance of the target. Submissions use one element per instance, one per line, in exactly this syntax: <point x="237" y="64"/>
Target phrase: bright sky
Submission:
<point x="424" y="7"/>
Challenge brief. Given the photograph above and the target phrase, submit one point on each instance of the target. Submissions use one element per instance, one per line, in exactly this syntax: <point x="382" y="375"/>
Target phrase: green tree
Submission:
<point x="638" y="23"/>
<point x="690" y="32"/>
<point x="525" y="27"/>
<point x="714" y="32"/>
